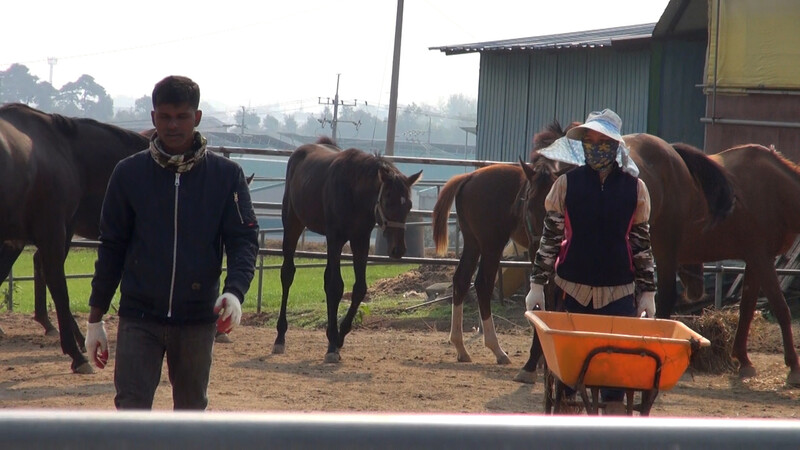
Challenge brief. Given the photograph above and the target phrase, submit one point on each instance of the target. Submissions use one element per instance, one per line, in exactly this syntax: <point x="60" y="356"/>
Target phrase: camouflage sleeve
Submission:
<point x="549" y="246"/>
<point x="642" y="257"/>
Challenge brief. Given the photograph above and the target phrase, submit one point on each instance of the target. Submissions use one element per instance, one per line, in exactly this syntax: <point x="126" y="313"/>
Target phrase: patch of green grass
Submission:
<point x="306" y="304"/>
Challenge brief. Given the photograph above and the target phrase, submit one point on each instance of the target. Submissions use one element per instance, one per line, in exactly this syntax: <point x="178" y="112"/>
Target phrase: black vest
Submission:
<point x="598" y="218"/>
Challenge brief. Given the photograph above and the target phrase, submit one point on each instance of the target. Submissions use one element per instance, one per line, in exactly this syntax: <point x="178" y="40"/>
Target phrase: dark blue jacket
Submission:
<point x="598" y="219"/>
<point x="163" y="235"/>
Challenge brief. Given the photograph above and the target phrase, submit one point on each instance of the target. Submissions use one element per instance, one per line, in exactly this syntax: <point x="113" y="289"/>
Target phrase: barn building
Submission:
<point x="667" y="78"/>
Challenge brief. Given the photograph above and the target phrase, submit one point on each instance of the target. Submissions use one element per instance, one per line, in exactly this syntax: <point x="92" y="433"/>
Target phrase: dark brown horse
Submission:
<point x="764" y="224"/>
<point x="53" y="176"/>
<point x="341" y="195"/>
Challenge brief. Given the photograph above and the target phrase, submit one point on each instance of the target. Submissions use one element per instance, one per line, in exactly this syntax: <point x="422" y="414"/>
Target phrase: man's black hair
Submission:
<point x="176" y="90"/>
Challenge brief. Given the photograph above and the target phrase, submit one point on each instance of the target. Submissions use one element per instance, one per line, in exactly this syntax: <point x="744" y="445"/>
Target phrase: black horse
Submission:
<point x="341" y="195"/>
<point x="53" y="176"/>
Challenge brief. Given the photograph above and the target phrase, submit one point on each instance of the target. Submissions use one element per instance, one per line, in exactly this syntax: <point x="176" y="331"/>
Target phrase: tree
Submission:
<point x="251" y="120"/>
<point x="17" y="84"/>
<point x="85" y="98"/>
<point x="138" y="113"/>
<point x="270" y="123"/>
<point x="290" y="124"/>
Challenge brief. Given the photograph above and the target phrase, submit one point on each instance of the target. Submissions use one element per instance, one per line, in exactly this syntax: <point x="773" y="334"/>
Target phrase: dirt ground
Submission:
<point x="384" y="368"/>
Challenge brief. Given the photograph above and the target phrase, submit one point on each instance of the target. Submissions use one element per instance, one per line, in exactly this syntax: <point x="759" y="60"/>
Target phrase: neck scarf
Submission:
<point x="178" y="163"/>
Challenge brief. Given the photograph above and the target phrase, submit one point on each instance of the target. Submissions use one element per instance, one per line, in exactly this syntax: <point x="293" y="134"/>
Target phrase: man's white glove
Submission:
<point x="97" y="343"/>
<point x="229" y="309"/>
<point x="646" y="304"/>
<point x="535" y="297"/>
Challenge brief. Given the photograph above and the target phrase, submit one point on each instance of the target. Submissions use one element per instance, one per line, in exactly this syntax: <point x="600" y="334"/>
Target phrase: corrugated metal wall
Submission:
<point x="681" y="103"/>
<point x="502" y="122"/>
<point x="520" y="93"/>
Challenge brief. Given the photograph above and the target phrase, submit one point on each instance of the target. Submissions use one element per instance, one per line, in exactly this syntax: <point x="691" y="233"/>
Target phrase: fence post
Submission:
<point x="718" y="286"/>
<point x="10" y="292"/>
<point x="260" y="281"/>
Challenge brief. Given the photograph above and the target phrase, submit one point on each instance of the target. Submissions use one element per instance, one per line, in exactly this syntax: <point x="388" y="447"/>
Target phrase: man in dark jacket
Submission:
<point x="168" y="213"/>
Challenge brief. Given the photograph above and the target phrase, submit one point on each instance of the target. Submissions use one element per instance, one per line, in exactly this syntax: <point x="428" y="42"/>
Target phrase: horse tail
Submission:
<point x="441" y="211"/>
<point x="713" y="179"/>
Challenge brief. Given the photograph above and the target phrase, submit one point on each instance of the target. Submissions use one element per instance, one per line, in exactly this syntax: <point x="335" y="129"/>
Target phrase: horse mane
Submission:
<point x="713" y="179"/>
<point x="552" y="132"/>
<point x="69" y="125"/>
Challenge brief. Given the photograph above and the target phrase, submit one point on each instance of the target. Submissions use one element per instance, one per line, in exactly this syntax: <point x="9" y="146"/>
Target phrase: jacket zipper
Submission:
<point x="236" y="201"/>
<point x="174" y="244"/>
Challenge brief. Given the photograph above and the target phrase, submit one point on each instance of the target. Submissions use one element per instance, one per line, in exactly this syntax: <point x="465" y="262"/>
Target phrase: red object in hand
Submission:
<point x="224" y="325"/>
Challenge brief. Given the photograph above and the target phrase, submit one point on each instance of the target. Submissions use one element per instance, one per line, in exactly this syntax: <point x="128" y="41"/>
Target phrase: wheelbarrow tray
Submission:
<point x="569" y="339"/>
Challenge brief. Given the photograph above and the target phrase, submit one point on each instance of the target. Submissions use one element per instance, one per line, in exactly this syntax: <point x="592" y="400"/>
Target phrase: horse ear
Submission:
<point x="383" y="174"/>
<point x="414" y="178"/>
<point x="526" y="168"/>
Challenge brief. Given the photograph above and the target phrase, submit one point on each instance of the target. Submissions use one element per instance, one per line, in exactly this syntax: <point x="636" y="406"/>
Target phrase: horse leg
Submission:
<point x="53" y="257"/>
<point x="747" y="308"/>
<point x="40" y="296"/>
<point x="484" y="285"/>
<point x="360" y="248"/>
<point x="667" y="286"/>
<point x="461" y="281"/>
<point x="334" y="288"/>
<point x="777" y="302"/>
<point x="292" y="229"/>
<point x="8" y="256"/>
<point x="527" y="374"/>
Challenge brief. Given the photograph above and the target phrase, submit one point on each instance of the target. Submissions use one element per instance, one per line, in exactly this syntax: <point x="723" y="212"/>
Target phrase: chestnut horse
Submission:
<point x="53" y="176"/>
<point x="764" y="225"/>
<point x="341" y="195"/>
<point x="489" y="210"/>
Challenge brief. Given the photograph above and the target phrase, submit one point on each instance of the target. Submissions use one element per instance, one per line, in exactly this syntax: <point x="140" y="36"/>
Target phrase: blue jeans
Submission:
<point x="625" y="306"/>
<point x="141" y="346"/>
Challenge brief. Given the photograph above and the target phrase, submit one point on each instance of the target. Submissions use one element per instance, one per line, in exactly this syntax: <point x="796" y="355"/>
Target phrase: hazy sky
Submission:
<point x="285" y="53"/>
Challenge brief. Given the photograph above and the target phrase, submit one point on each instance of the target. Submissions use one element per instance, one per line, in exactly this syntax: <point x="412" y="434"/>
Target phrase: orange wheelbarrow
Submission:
<point x="588" y="352"/>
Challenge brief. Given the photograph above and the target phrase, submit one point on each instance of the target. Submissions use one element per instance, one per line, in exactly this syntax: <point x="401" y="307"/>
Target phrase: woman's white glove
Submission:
<point x="229" y="309"/>
<point x="646" y="303"/>
<point x="97" y="343"/>
<point x="535" y="297"/>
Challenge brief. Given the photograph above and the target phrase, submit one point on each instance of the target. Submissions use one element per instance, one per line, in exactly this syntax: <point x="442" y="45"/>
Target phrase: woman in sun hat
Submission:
<point x="596" y="237"/>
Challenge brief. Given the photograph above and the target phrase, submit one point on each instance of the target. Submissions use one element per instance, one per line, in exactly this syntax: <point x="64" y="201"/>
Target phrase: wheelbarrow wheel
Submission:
<point x="549" y="391"/>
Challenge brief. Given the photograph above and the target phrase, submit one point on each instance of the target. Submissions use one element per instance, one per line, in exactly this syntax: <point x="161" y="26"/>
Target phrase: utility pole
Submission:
<point x="392" y="125"/>
<point x="336" y="103"/>
<point x="52" y="61"/>
<point x="243" y="114"/>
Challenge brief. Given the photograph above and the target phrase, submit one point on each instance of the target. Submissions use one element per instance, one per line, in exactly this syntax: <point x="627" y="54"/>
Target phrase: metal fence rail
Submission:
<point x="156" y="430"/>
<point x="718" y="269"/>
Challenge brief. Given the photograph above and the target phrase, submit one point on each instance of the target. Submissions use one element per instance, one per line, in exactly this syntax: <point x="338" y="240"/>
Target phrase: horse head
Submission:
<point x="393" y="205"/>
<point x="540" y="174"/>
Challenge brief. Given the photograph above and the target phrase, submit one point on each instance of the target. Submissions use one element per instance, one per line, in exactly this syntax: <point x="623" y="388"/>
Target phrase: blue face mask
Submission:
<point x="600" y="155"/>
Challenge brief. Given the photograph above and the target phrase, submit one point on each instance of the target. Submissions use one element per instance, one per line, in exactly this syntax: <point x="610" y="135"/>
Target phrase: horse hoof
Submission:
<point x="465" y="358"/>
<point x="222" y="338"/>
<point x="84" y="369"/>
<point x="793" y="379"/>
<point x="51" y="332"/>
<point x="747" y="372"/>
<point x="278" y="349"/>
<point x="332" y="357"/>
<point x="503" y="360"/>
<point x="523" y="376"/>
